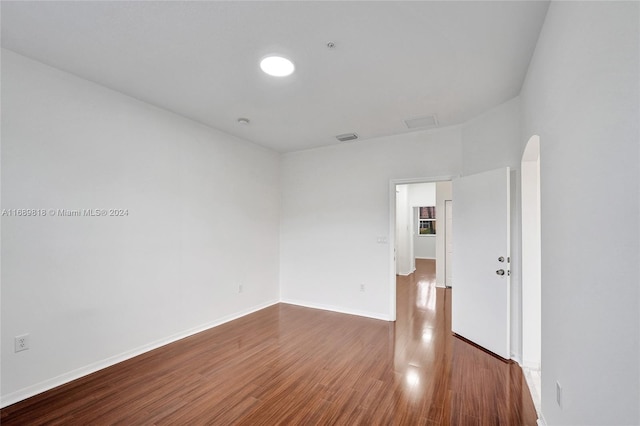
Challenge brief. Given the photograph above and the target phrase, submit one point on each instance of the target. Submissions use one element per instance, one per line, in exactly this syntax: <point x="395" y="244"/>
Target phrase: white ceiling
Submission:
<point x="392" y="60"/>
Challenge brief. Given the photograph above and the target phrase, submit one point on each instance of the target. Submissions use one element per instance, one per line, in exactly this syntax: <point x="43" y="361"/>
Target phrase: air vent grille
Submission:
<point x="421" y="122"/>
<point x="347" y="137"/>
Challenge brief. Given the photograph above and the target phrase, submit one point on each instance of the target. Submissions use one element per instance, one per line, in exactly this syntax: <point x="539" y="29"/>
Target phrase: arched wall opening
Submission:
<point x="531" y="256"/>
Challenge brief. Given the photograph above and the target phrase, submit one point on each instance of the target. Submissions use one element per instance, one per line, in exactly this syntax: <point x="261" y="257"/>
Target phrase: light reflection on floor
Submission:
<point x="416" y="337"/>
<point x="443" y="378"/>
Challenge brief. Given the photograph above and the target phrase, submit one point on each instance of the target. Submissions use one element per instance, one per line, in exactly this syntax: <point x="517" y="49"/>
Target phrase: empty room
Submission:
<point x="320" y="212"/>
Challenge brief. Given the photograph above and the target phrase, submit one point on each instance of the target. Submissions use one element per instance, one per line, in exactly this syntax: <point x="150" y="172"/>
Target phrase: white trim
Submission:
<point x="392" y="250"/>
<point x="535" y="390"/>
<point x="49" y="384"/>
<point x="530" y="365"/>
<point x="331" y="308"/>
<point x="425" y="258"/>
<point x="421" y="180"/>
<point x="406" y="274"/>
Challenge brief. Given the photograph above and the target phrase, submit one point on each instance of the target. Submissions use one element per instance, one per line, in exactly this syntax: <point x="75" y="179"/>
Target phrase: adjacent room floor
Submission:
<point x="292" y="365"/>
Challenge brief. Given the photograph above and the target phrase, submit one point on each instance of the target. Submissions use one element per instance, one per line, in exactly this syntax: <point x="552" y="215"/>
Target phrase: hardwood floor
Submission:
<point x="292" y="365"/>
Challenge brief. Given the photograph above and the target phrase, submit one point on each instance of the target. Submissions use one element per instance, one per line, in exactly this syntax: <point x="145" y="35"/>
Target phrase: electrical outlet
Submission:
<point x="21" y="343"/>
<point x="559" y="394"/>
<point x="240" y="288"/>
<point x="362" y="287"/>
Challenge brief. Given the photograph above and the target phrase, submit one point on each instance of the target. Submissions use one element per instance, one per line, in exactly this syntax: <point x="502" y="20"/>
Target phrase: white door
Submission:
<point x="448" y="242"/>
<point x="480" y="310"/>
<point x="395" y="242"/>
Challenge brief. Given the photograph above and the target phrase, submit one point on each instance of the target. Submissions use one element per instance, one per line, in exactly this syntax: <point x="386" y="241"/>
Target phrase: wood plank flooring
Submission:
<point x="291" y="365"/>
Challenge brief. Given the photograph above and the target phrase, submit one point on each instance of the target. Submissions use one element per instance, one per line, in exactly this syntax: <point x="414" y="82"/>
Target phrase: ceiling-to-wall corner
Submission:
<point x="492" y="139"/>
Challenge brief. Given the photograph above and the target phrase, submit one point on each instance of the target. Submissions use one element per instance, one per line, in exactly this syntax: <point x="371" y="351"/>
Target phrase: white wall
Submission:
<point x="343" y="190"/>
<point x="335" y="205"/>
<point x="581" y="97"/>
<point x="425" y="245"/>
<point x="90" y="291"/>
<point x="422" y="194"/>
<point x="490" y="140"/>
<point x="404" y="235"/>
<point x="443" y="193"/>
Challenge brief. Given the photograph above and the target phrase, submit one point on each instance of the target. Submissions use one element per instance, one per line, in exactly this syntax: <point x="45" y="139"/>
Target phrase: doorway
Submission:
<point x="448" y="243"/>
<point x="407" y="242"/>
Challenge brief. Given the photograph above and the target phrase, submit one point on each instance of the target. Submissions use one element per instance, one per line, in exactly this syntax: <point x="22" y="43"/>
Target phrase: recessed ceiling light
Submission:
<point x="243" y="120"/>
<point x="277" y="66"/>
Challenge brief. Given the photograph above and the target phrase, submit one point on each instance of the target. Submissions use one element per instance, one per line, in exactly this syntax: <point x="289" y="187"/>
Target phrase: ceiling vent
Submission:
<point x="347" y="137"/>
<point x="422" y="122"/>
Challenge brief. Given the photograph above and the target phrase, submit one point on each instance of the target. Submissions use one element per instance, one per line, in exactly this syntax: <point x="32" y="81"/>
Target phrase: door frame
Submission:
<point x="392" y="231"/>
<point x="447" y="238"/>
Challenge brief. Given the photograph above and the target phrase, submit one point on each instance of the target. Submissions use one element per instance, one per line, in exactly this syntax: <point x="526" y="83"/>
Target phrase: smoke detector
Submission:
<point x="347" y="137"/>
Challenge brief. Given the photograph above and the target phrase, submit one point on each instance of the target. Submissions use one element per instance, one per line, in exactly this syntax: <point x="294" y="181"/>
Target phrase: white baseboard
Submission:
<point x="408" y="273"/>
<point x="534" y="389"/>
<point x="337" y="309"/>
<point x="530" y="365"/>
<point x="426" y="258"/>
<point x="49" y="384"/>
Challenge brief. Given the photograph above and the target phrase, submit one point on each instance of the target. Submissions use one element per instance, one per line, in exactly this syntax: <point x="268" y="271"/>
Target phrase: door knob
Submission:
<point x="501" y="259"/>
<point x="500" y="272"/>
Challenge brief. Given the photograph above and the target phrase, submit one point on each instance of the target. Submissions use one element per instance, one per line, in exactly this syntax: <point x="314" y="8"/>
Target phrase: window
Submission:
<point x="427" y="222"/>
